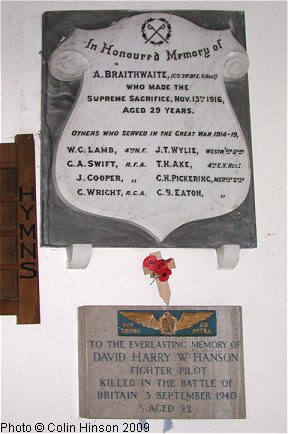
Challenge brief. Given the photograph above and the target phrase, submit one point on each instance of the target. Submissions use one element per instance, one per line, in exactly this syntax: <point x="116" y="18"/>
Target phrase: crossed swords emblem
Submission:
<point x="157" y="36"/>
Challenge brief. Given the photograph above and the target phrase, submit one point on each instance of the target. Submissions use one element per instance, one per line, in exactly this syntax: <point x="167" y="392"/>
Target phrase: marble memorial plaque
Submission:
<point x="159" y="362"/>
<point x="151" y="143"/>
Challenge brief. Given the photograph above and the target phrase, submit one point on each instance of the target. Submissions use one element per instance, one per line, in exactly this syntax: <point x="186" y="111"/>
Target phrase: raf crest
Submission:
<point x="169" y="323"/>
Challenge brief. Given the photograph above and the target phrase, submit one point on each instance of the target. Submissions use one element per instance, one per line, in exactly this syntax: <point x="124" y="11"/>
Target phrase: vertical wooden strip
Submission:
<point x="8" y="230"/>
<point x="28" y="280"/>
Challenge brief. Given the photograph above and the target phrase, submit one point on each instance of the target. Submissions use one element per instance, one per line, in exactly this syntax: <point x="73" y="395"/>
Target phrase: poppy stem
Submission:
<point x="154" y="280"/>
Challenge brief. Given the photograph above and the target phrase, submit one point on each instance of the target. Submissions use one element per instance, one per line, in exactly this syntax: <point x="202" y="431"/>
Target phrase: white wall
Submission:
<point x="39" y="363"/>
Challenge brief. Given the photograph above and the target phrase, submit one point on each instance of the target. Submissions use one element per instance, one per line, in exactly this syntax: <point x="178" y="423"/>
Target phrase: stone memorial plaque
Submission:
<point x="141" y="137"/>
<point x="159" y="362"/>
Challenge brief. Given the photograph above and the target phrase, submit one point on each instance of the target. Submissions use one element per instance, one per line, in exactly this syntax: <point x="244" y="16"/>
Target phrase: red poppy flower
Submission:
<point x="162" y="263"/>
<point x="164" y="274"/>
<point x="150" y="262"/>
